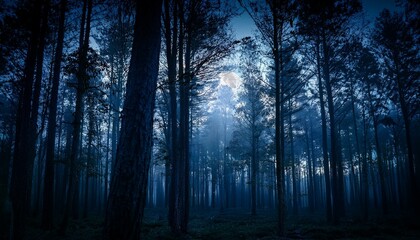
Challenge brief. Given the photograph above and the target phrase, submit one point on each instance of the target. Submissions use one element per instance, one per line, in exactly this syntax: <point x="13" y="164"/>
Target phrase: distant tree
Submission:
<point x="203" y="41"/>
<point x="251" y="109"/>
<point x="326" y="22"/>
<point x="367" y="71"/>
<point x="274" y="20"/>
<point x="397" y="44"/>
<point x="115" y="44"/>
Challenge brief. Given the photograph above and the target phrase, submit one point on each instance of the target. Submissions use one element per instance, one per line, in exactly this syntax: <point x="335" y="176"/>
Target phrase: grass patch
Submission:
<point x="239" y="224"/>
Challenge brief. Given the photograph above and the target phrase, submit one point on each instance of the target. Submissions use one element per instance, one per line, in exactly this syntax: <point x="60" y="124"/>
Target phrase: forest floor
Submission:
<point x="238" y="224"/>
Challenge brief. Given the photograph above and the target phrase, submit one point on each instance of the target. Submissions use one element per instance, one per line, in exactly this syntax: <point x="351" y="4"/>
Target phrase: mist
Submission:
<point x="202" y="119"/>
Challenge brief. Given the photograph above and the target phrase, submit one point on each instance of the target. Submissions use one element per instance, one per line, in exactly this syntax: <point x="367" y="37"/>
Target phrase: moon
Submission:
<point x="230" y="78"/>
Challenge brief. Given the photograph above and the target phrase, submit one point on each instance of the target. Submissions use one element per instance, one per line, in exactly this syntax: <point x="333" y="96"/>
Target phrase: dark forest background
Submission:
<point x="152" y="119"/>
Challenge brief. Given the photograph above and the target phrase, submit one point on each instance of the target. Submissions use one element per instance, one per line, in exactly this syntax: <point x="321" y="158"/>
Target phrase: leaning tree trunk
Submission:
<point x="127" y="193"/>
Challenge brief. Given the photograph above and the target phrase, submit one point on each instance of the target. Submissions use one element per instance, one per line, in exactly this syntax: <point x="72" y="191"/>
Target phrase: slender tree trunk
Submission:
<point x="380" y="169"/>
<point x="314" y="163"/>
<point x="364" y="182"/>
<point x="48" y="197"/>
<point x="129" y="180"/>
<point x="414" y="194"/>
<point x="292" y="161"/>
<point x="414" y="189"/>
<point x="35" y="106"/>
<point x="311" y="197"/>
<point x="333" y="133"/>
<point x="171" y="56"/>
<point x="356" y="137"/>
<point x="279" y="131"/>
<point x="72" y="193"/>
<point x="90" y="156"/>
<point x="340" y="175"/>
<point x="253" y="170"/>
<point x="378" y="152"/>
<point x="176" y="192"/>
<point x="185" y="128"/>
<point x="324" y="136"/>
<point x="107" y="160"/>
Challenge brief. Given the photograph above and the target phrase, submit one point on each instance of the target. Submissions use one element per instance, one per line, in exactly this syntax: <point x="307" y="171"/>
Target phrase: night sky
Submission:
<point x="243" y="25"/>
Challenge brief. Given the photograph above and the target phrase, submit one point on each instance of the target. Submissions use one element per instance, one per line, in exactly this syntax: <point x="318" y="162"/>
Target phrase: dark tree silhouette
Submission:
<point x="127" y="193"/>
<point x="26" y="123"/>
<point x="48" y="204"/>
<point x="396" y="43"/>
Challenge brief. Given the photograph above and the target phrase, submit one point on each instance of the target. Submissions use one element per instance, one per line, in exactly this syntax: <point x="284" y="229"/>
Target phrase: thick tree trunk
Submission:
<point x="129" y="180"/>
<point x="25" y="128"/>
<point x="6" y="153"/>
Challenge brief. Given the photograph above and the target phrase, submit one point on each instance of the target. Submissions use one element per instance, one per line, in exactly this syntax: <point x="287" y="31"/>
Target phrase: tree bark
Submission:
<point x="129" y="179"/>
